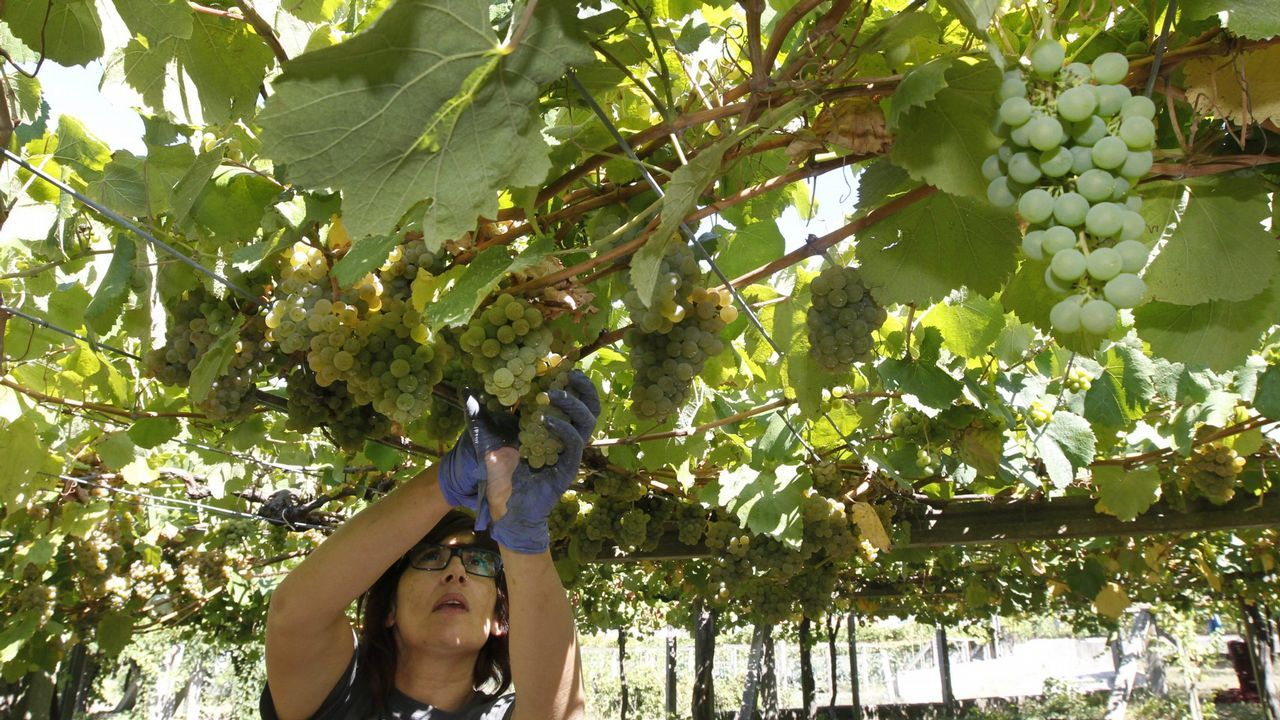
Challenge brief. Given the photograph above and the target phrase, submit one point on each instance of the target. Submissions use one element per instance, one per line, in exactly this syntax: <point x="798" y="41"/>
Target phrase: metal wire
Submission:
<point x="179" y="504"/>
<point x="124" y="222"/>
<point x="689" y="236"/>
<point x="1160" y="48"/>
<point x="49" y="326"/>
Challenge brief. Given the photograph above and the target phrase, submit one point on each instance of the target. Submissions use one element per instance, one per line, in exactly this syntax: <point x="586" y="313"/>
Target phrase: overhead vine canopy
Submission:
<point x="347" y="211"/>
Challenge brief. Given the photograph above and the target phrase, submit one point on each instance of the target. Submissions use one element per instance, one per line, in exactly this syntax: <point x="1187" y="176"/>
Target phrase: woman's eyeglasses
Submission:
<point x="476" y="561"/>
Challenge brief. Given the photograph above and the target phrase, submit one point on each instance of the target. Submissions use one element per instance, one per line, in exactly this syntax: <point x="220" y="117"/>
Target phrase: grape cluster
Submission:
<point x="1078" y="380"/>
<point x="349" y="423"/>
<point x="440" y="424"/>
<point x="508" y="346"/>
<point x="827" y="528"/>
<point x="1213" y="469"/>
<point x="678" y="276"/>
<point x="403" y="263"/>
<point x="1076" y="142"/>
<point x="842" y="318"/>
<point x="909" y="423"/>
<point x="538" y="445"/>
<point x="667" y="360"/>
<point x="399" y="365"/>
<point x="691" y="523"/>
<point x="827" y="479"/>
<point x="196" y="321"/>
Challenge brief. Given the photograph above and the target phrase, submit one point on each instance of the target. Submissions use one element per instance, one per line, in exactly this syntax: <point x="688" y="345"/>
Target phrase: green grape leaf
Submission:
<point x="1217" y="334"/>
<point x="366" y="255"/>
<point x="157" y="20"/>
<point x="1219" y="250"/>
<point x="210" y="79"/>
<point x="929" y="383"/>
<point x="680" y="198"/>
<point x="17" y="631"/>
<point x="945" y="142"/>
<point x="452" y="298"/>
<point x="115" y="630"/>
<point x="750" y="247"/>
<point x="116" y="450"/>
<point x="981" y="449"/>
<point x="312" y="11"/>
<point x="192" y="184"/>
<point x="153" y="432"/>
<point x="936" y="245"/>
<point x="1126" y="493"/>
<point x="777" y="442"/>
<point x="141" y="186"/>
<point x="231" y="207"/>
<point x="423" y="105"/>
<point x="68" y="32"/>
<point x="919" y="86"/>
<point x="765" y="501"/>
<point x="1267" y="398"/>
<point x="970" y="323"/>
<point x="109" y="297"/>
<point x="975" y="15"/>
<point x="1124" y="389"/>
<point x="214" y="363"/>
<point x="24" y="456"/>
<point x="1253" y="19"/>
<point x="1065" y="445"/>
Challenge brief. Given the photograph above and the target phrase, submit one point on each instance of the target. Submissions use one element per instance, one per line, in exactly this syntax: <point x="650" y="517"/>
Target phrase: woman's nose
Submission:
<point x="454" y="571"/>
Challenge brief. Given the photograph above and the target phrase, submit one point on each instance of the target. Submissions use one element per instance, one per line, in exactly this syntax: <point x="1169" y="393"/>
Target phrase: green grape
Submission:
<point x="1013" y="87"/>
<point x="1020" y="136"/>
<point x="1015" y="112"/>
<point x="1045" y="133"/>
<point x="1138" y="106"/>
<point x="1077" y="103"/>
<point x="1069" y="264"/>
<point x="1137" y="164"/>
<point x="1079" y="72"/>
<point x="1109" y="153"/>
<point x="998" y="193"/>
<point x="1089" y="131"/>
<point x="1031" y="245"/>
<point x="1125" y="290"/>
<point x="1051" y="281"/>
<point x="1035" y="205"/>
<point x="1103" y="220"/>
<point x="1104" y="263"/>
<point x="1065" y="316"/>
<point x="1046" y="57"/>
<point x="1023" y="169"/>
<point x="1132" y="225"/>
<point x="1058" y="238"/>
<point x="1097" y="317"/>
<point x="1133" y="255"/>
<point x="1110" y="99"/>
<point x="1056" y="162"/>
<point x="1070" y="209"/>
<point x="1081" y="159"/>
<point x="1110" y="68"/>
<point x="1095" y="185"/>
<point x="991" y="167"/>
<point x="1137" y="132"/>
<point x="1133" y="202"/>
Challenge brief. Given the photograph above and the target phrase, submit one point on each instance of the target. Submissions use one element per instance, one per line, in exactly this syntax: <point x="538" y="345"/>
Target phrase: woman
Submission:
<point x="447" y="625"/>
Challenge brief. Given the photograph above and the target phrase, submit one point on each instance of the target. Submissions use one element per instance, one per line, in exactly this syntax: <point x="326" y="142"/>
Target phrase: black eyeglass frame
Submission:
<point x="465" y="553"/>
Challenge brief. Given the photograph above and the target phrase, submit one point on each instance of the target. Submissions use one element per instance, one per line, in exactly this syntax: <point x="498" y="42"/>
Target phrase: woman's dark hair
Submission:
<point x="377" y="641"/>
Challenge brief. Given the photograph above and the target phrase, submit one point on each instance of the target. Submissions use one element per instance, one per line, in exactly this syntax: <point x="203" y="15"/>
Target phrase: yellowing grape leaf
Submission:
<point x="423" y="106"/>
<point x="1216" y="86"/>
<point x="1111" y="601"/>
<point x="870" y="526"/>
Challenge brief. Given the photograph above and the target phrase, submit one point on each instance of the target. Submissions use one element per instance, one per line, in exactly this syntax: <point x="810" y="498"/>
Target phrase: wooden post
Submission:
<point x="1132" y="652"/>
<point x="993" y="650"/>
<point x="73" y="690"/>
<point x="747" y="710"/>
<point x="1258" y="637"/>
<point x="672" y="709"/>
<point x="807" y="686"/>
<point x="833" y="628"/>
<point x="704" y="654"/>
<point x="622" y="670"/>
<point x="856" y="701"/>
<point x="769" y="679"/>
<point x="944" y="668"/>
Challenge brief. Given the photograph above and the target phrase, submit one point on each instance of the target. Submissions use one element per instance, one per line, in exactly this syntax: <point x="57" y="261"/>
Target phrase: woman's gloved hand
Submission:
<point x="534" y="493"/>
<point x="462" y="469"/>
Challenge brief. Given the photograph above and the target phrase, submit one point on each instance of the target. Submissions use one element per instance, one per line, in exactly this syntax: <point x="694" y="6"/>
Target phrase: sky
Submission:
<point x="74" y="91"/>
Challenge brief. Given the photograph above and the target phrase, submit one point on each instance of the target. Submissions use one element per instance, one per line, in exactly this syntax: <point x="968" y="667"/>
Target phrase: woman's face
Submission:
<point x="446" y="609"/>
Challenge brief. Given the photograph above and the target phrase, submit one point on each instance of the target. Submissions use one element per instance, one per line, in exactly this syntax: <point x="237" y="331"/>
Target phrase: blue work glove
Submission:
<point x="462" y="470"/>
<point x="535" y="492"/>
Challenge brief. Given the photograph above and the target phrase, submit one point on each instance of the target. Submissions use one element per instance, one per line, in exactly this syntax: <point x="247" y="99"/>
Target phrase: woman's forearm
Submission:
<point x="545" y="661"/>
<point x="322" y="587"/>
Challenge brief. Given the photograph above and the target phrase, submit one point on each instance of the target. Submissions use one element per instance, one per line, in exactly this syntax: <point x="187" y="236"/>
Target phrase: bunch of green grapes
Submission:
<point x="508" y="346"/>
<point x="563" y="520"/>
<point x="767" y="600"/>
<point x="1078" y="380"/>
<point x="441" y="423"/>
<point x="399" y="364"/>
<point x="814" y="589"/>
<point x="691" y="523"/>
<point x="827" y="528"/>
<point x="910" y="424"/>
<point x="1213" y="469"/>
<point x="632" y="529"/>
<point x="666" y="361"/>
<point x="403" y="263"/>
<point x="303" y="283"/>
<point x="720" y="533"/>
<point x="842" y="318"/>
<point x="196" y="321"/>
<point x="678" y="276"/>
<point x="827" y="479"/>
<point x="310" y="406"/>
<point x="1076" y="142"/>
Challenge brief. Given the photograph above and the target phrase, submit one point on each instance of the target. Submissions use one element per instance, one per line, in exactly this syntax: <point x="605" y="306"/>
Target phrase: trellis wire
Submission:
<point x="1160" y="48"/>
<point x="689" y="236"/>
<point x="179" y="504"/>
<point x="50" y="326"/>
<point x="124" y="222"/>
